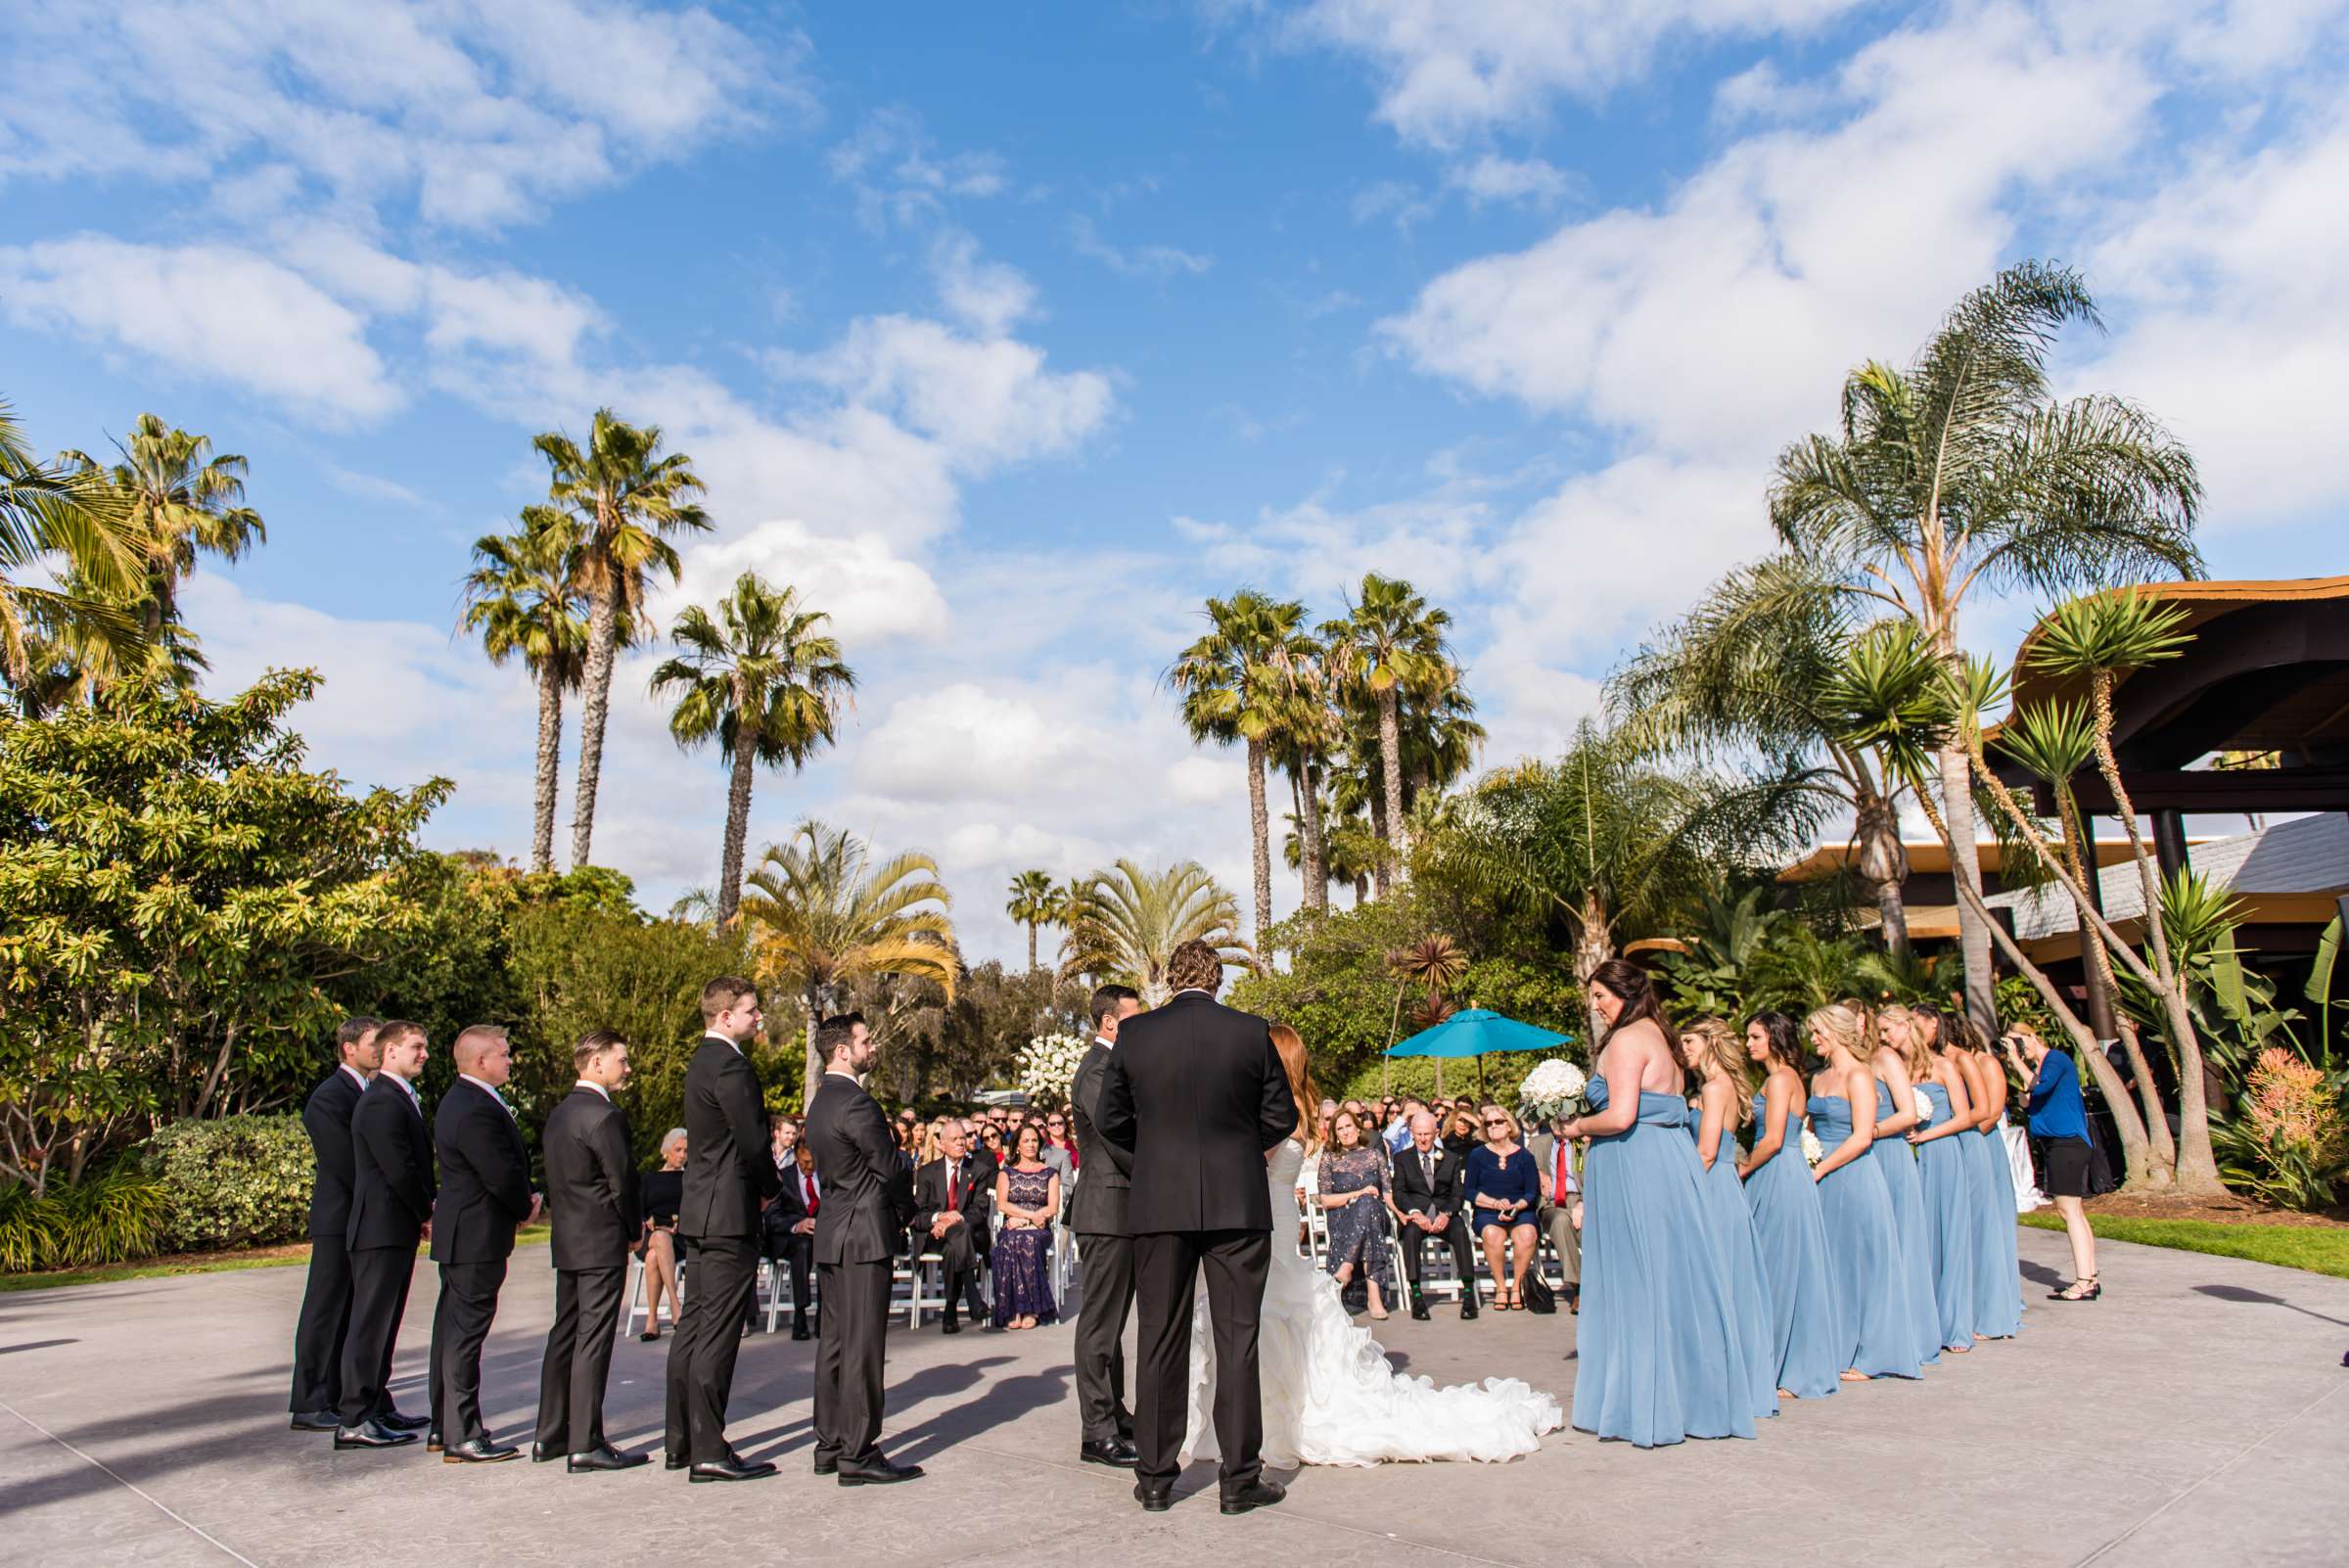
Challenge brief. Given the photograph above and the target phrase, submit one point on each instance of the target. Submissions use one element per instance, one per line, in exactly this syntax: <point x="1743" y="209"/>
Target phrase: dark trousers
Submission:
<point x="379" y="1296"/>
<point x="1455" y="1236"/>
<point x="721" y="1279"/>
<point x="848" y="1361"/>
<point x="797" y="1255"/>
<point x="324" y="1324"/>
<point x="1166" y="1272"/>
<point x="959" y="1256"/>
<point x="461" y="1320"/>
<point x="578" y="1359"/>
<point x="1100" y="1336"/>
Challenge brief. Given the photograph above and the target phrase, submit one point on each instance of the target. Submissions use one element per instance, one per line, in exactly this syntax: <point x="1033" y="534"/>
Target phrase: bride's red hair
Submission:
<point x="1291" y="1047"/>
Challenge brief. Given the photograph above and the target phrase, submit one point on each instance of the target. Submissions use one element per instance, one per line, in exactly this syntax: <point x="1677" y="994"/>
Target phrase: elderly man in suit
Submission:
<point x="1104" y="1247"/>
<point x="485" y="1197"/>
<point x="867" y="1205"/>
<point x="1561" y="1206"/>
<point x="729" y="1180"/>
<point x="1429" y="1180"/>
<point x="950" y="1206"/>
<point x="598" y="1219"/>
<point x="789" y="1230"/>
<point x="391" y="1192"/>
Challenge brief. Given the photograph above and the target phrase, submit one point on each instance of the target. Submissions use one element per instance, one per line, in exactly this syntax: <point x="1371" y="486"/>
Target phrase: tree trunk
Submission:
<point x="550" y="765"/>
<point x="813" y="999"/>
<point x="1390" y="767"/>
<point x="1883" y="864"/>
<point x="1260" y="824"/>
<point x="603" y="636"/>
<point x="1032" y="931"/>
<point x="1378" y="832"/>
<point x="1316" y="848"/>
<point x="738" y="811"/>
<point x="1592" y="947"/>
<point x="2078" y="846"/>
<point x="1965" y="866"/>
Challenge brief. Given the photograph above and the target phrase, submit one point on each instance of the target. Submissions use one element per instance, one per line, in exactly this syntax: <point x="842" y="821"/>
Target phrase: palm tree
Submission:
<point x="1390" y="645"/>
<point x="1305" y="730"/>
<point x="626" y="494"/>
<point x="83" y="626"/>
<point x="1230" y="693"/>
<point x="521" y="597"/>
<point x="182" y="502"/>
<point x="1130" y="922"/>
<point x="766" y="683"/>
<point x="1036" y="903"/>
<point x="826" y="916"/>
<point x="1961" y="471"/>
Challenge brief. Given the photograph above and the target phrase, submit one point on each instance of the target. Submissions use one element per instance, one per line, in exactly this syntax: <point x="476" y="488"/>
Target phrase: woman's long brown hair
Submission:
<point x="1291" y="1047"/>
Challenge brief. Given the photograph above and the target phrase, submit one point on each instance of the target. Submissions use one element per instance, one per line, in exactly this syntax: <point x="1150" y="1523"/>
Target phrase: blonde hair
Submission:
<point x="1720" y="1049"/>
<point x="1916" y="1055"/>
<point x="1516" y="1131"/>
<point x="1841" y="1027"/>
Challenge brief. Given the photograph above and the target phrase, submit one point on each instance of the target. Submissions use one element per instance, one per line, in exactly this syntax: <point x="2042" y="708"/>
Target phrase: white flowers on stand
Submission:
<point x="1048" y="1065"/>
<point x="1552" y="1089"/>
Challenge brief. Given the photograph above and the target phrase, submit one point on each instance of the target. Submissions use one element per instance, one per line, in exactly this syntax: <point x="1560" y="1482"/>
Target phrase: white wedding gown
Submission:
<point x="1329" y="1395"/>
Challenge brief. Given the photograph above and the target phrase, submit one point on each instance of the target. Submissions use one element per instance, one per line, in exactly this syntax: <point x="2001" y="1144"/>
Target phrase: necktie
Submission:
<point x="1427" y="1168"/>
<point x="954" y="1187"/>
<point x="808" y="1190"/>
<point x="1561" y="1170"/>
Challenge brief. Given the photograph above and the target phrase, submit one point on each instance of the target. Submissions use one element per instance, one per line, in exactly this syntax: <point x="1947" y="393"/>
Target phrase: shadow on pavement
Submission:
<point x="2239" y="1293"/>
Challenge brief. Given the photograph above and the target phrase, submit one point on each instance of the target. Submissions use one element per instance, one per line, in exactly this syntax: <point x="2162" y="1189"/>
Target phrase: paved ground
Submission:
<point x="2199" y="1414"/>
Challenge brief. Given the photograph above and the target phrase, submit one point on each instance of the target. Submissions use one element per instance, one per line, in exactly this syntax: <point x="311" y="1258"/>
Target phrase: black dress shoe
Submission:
<point x="730" y="1468"/>
<point x="1112" y="1451"/>
<point x="544" y="1453"/>
<point x="1256" y="1495"/>
<point x="396" y="1422"/>
<point x="674" y="1461"/>
<point x="370" y="1435"/>
<point x="952" y="1325"/>
<point x="478" y="1451"/>
<point x="315" y="1421"/>
<point x="1418" y="1308"/>
<point x="604" y="1457"/>
<point x="1467" y="1308"/>
<point x="1154" y="1500"/>
<point x="876" y="1472"/>
<point x="800" y="1331"/>
<point x="432" y="1440"/>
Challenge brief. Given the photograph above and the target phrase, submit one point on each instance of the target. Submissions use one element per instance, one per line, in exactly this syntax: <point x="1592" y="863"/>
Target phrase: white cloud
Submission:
<point x="988" y="297"/>
<point x="871" y="593"/>
<point x="1492" y="178"/>
<point x="1160" y="261"/>
<point x="900" y="177"/>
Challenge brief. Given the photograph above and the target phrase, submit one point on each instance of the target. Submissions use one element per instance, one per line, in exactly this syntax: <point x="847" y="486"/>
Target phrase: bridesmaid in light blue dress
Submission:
<point x="1715" y="1057"/>
<point x="1863" y="1250"/>
<point x="1952" y="1187"/>
<point x="1658" y="1356"/>
<point x="1807" y="1321"/>
<point x="1998" y="1274"/>
<point x="1896" y="1115"/>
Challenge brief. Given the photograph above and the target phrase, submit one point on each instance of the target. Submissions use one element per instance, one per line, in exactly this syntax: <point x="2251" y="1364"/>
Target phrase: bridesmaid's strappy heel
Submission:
<point x="2076" y="1293"/>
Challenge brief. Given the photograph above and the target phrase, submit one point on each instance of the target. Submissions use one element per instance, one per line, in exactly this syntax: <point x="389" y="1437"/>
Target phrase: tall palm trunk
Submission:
<point x="1965" y="866"/>
<point x="550" y="765"/>
<point x="1260" y="825"/>
<point x="1592" y="947"/>
<point x="813" y="997"/>
<point x="1883" y="864"/>
<point x="1390" y="765"/>
<point x="603" y="637"/>
<point x="1378" y="831"/>
<point x="1316" y="848"/>
<point x="1033" y="927"/>
<point x="738" y="807"/>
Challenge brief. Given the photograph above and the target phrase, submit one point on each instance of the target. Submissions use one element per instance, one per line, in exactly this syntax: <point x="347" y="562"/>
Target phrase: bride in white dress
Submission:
<point x="1330" y="1396"/>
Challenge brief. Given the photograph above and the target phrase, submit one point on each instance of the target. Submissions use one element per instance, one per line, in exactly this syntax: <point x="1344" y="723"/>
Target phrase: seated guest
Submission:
<point x="1561" y="1215"/>
<point x="782" y="1138"/>
<point x="1060" y="1151"/>
<point x="1329" y="1112"/>
<point x="789" y="1230"/>
<point x="1504" y="1189"/>
<point x="949" y="1214"/>
<point x="1028" y="1196"/>
<point x="1463" y="1132"/>
<point x="663" y="1192"/>
<point x="1428" y="1185"/>
<point x="1398" y="1135"/>
<point x="991" y="1145"/>
<point x="1352" y="1187"/>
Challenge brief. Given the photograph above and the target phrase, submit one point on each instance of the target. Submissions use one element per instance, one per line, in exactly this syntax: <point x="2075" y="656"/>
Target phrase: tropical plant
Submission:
<point x="765" y="681"/>
<point x="1388" y="645"/>
<point x="1229" y="693"/>
<point x="1036" y="903"/>
<point x="1128" y="921"/>
<point x="626" y="494"/>
<point x="2287" y="1141"/>
<point x="1961" y="471"/>
<point x="823" y="914"/>
<point x="1710" y="972"/>
<point x="521" y="597"/>
<point x="1305" y="730"/>
<point x="56" y="513"/>
<point x="239" y="1182"/>
<point x="110" y="1219"/>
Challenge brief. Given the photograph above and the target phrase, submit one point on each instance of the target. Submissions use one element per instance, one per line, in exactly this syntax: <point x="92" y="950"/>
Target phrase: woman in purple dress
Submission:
<point x="1027" y="1196"/>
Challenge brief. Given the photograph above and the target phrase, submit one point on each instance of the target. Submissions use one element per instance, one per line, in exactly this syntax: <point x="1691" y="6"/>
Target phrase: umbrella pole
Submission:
<point x="1480" y="1074"/>
<point x="1439" y="1078"/>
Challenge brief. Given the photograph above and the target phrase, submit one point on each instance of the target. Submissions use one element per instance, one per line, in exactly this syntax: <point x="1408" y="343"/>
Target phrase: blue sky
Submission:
<point x="1007" y="332"/>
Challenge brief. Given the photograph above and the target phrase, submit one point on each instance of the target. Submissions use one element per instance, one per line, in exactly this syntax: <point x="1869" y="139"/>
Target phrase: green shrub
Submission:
<point x="238" y="1182"/>
<point x="107" y="1219"/>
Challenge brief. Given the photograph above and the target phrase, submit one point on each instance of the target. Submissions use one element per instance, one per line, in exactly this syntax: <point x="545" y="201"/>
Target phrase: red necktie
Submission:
<point x="807" y="1189"/>
<point x="954" y="1190"/>
<point x="1561" y="1170"/>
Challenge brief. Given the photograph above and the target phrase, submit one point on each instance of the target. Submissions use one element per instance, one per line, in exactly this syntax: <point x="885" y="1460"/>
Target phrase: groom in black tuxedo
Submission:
<point x="1196" y="1092"/>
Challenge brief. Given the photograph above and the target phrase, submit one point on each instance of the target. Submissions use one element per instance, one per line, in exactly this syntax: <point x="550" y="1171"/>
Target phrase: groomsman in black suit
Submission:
<point x="730" y="1176"/>
<point x="1429" y="1180"/>
<point x="790" y="1227"/>
<point x="392" y="1191"/>
<point x="1104" y="1246"/>
<point x="951" y="1205"/>
<point x="325" y="1321"/>
<point x="867" y="1205"/>
<point x="592" y="1203"/>
<point x="485" y="1195"/>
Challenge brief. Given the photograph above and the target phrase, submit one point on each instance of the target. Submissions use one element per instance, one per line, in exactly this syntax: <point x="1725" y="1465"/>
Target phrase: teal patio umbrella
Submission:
<point x="1477" y="1031"/>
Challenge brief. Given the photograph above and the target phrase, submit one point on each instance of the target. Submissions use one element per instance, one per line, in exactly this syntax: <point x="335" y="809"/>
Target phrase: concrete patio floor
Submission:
<point x="2198" y="1414"/>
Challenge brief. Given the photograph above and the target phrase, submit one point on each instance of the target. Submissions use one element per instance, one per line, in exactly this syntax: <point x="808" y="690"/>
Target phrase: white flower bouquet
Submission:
<point x="1814" y="1151"/>
<point x="1554" y="1088"/>
<point x="1924" y="1107"/>
<point x="1048" y="1065"/>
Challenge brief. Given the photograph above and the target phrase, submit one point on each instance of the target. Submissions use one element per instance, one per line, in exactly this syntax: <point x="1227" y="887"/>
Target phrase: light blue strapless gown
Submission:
<point x="1806" y="1318"/>
<point x="1658" y="1356"/>
<point x="1998" y="1271"/>
<point x="1952" y="1185"/>
<point x="1730" y="1225"/>
<point x="1898" y="1162"/>
<point x="1864" y="1254"/>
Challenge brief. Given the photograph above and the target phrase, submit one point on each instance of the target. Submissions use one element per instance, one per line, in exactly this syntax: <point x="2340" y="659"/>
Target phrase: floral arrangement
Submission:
<point x="1924" y="1107"/>
<point x="1552" y="1089"/>
<point x="1814" y="1151"/>
<point x="1048" y="1065"/>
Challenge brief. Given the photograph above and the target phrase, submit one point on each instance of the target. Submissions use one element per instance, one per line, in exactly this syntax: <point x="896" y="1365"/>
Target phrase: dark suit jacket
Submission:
<point x="326" y="1118"/>
<point x="790" y="1208"/>
<point x="1097" y="1206"/>
<point x="930" y="1199"/>
<point x="392" y="1184"/>
<point x="1412" y="1190"/>
<point x="867" y="1200"/>
<point x="485" y="1177"/>
<point x="592" y="1182"/>
<point x="730" y="1162"/>
<point x="1197" y="1093"/>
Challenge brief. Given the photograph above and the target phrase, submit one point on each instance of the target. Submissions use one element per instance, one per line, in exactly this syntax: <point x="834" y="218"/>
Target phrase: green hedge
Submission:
<point x="107" y="1219"/>
<point x="239" y="1182"/>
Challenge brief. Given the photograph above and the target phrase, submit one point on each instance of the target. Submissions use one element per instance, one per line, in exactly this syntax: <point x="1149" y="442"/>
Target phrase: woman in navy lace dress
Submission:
<point x="1351" y="1185"/>
<point x="1027" y="1196"/>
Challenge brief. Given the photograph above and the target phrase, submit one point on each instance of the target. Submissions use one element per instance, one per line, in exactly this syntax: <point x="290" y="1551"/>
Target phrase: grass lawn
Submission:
<point x="2323" y="1250"/>
<point x="214" y="1263"/>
